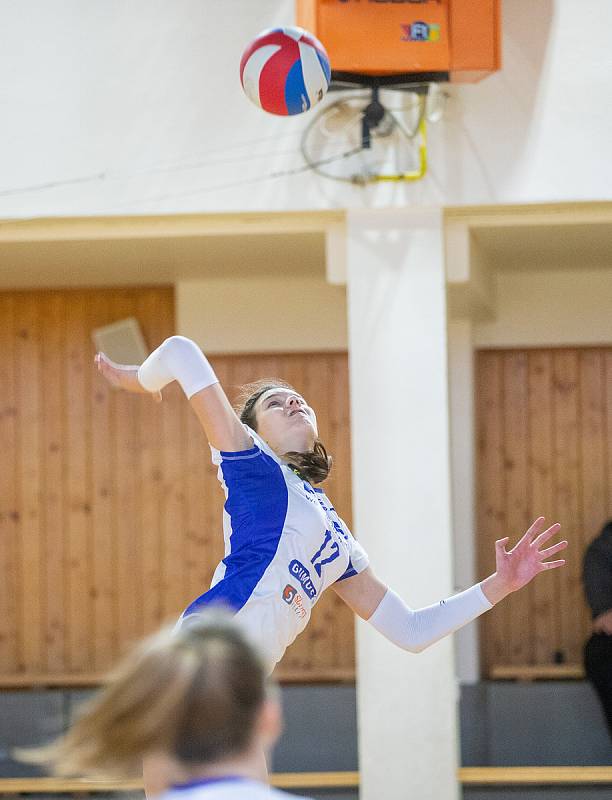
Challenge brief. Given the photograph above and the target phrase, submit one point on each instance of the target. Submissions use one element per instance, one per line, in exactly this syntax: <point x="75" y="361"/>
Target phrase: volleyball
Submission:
<point x="285" y="71"/>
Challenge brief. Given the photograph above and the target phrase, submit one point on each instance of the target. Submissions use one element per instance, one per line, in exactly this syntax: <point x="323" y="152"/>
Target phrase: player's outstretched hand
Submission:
<point x="122" y="376"/>
<point x="515" y="568"/>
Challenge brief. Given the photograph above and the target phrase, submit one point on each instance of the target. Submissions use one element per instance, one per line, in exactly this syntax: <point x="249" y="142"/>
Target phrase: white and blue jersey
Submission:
<point x="284" y="545"/>
<point x="225" y="788"/>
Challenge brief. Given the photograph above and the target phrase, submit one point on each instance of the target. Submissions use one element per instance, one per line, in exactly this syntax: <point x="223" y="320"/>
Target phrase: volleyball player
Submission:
<point x="284" y="542"/>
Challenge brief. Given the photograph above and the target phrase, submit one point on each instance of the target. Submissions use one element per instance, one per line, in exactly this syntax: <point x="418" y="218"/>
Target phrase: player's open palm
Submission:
<point x="122" y="376"/>
<point x="527" y="558"/>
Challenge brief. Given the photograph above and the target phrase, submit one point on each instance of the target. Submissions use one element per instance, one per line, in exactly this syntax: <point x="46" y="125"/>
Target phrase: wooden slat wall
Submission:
<point x="110" y="510"/>
<point x="544" y="444"/>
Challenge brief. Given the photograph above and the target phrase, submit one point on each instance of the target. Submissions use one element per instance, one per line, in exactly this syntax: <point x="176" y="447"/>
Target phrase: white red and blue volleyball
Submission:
<point x="285" y="71"/>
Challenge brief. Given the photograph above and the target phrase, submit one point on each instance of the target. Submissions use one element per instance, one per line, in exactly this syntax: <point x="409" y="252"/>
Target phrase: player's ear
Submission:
<point x="269" y="723"/>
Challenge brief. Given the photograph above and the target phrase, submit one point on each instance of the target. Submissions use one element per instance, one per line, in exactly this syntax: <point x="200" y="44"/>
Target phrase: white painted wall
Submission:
<point x="261" y="315"/>
<point x="534" y="309"/>
<point x="550" y="308"/>
<point x="136" y="108"/>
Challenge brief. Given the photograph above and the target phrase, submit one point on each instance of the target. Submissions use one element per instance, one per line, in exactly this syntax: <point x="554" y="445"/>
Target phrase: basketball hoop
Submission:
<point x="373" y="135"/>
<point x="382" y="50"/>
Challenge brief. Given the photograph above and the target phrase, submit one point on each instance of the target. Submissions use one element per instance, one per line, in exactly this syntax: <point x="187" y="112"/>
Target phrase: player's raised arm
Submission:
<point x="179" y="359"/>
<point x="416" y="629"/>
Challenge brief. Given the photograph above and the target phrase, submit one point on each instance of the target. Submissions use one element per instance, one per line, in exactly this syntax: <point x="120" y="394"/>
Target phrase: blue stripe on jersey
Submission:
<point x="295" y="90"/>
<point x="257" y="502"/>
<point x="350" y="571"/>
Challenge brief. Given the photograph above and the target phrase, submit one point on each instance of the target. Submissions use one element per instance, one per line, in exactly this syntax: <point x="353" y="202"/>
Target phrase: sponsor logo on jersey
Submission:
<point x="294" y="599"/>
<point x="289" y="593"/>
<point x="299" y="571"/>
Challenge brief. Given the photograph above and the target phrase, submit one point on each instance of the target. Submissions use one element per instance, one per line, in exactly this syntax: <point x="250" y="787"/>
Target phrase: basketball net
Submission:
<point x="369" y="136"/>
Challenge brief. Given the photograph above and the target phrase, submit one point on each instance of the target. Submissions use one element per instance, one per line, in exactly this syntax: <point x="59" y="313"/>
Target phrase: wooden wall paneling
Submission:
<point x="490" y="505"/>
<point x="291" y="371"/>
<point x="53" y="463"/>
<point x="266" y="366"/>
<point x="9" y="500"/>
<point x="517" y="493"/>
<point x="128" y="409"/>
<point x="155" y="327"/>
<point x="340" y="494"/>
<point x="104" y="629"/>
<point x="566" y="430"/>
<point x="174" y="409"/>
<point x="78" y="372"/>
<point x="566" y="410"/>
<point x="544" y="593"/>
<point x="340" y="436"/>
<point x="243" y="369"/>
<point x="28" y="444"/>
<point x="114" y="501"/>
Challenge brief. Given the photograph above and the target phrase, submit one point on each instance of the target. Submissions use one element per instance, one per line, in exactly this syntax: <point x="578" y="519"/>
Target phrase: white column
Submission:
<point x="401" y="495"/>
<point x="461" y="387"/>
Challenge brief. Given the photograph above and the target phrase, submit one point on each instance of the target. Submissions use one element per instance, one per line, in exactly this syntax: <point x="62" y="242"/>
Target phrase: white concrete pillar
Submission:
<point x="401" y="494"/>
<point x="461" y="389"/>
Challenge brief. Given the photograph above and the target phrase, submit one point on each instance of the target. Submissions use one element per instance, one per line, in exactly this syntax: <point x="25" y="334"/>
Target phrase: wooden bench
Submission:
<point x="468" y="776"/>
<point x="541" y="672"/>
<point x="543" y="776"/>
<point x="282" y="780"/>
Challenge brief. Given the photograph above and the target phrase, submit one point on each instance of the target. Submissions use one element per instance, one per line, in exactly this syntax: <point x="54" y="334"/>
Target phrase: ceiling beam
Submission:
<point x="55" y="229"/>
<point x="530" y="214"/>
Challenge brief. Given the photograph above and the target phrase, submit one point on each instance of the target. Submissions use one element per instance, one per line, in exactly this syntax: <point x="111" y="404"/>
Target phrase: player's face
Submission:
<point x="285" y="421"/>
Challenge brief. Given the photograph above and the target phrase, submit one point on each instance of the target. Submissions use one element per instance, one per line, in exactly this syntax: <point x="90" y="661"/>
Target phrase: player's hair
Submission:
<point x="313" y="465"/>
<point x="192" y="693"/>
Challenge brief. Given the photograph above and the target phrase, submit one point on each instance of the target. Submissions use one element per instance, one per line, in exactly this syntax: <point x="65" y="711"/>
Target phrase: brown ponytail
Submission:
<point x="313" y="466"/>
<point x="192" y="694"/>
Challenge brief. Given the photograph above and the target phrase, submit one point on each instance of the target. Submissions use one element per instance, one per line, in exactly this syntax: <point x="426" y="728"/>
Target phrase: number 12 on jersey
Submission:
<point x="320" y="558"/>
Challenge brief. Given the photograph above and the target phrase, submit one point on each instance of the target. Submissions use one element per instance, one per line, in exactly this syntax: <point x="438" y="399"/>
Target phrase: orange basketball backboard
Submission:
<point x="454" y="40"/>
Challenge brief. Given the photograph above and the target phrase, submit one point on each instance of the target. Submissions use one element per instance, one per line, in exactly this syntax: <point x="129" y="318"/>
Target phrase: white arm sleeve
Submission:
<point x="414" y="630"/>
<point x="177" y="359"/>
